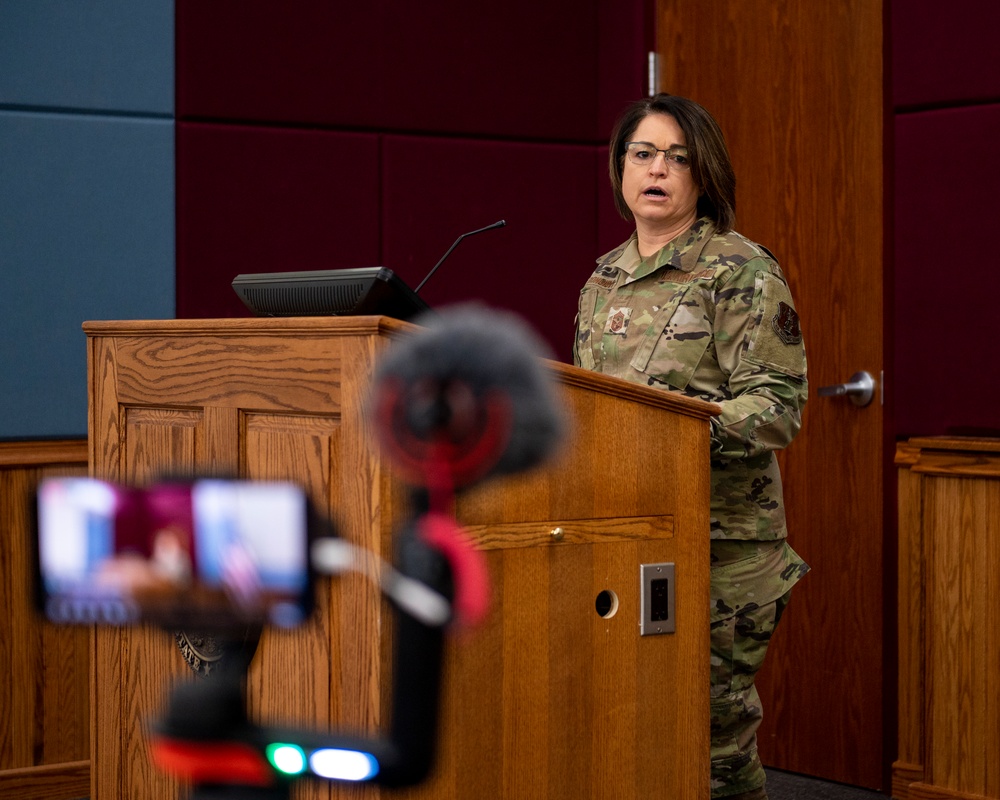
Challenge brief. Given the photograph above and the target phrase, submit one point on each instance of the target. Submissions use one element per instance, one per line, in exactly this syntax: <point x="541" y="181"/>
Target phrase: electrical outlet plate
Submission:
<point x="657" y="596"/>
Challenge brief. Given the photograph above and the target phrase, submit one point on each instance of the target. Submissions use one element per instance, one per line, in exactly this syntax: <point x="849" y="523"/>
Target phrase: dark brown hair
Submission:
<point x="711" y="166"/>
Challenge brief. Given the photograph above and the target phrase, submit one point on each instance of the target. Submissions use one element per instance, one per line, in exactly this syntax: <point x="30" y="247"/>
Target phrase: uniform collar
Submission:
<point x="681" y="253"/>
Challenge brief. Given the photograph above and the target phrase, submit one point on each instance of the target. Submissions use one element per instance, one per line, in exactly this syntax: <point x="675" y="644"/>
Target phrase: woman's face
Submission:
<point x="662" y="199"/>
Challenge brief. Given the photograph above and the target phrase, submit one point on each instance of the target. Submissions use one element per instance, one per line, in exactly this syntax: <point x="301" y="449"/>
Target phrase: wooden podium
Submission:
<point x="550" y="699"/>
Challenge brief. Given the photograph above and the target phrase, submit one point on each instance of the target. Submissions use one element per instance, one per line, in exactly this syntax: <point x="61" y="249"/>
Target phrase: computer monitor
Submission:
<point x="329" y="292"/>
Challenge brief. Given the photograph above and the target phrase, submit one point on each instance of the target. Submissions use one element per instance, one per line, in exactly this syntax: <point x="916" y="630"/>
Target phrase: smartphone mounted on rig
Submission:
<point x="215" y="554"/>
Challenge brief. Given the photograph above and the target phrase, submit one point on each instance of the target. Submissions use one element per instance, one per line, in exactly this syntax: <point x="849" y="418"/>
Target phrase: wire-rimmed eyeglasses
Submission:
<point x="643" y="154"/>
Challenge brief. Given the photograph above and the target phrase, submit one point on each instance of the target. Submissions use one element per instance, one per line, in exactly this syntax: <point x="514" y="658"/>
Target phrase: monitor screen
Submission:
<point x="331" y="292"/>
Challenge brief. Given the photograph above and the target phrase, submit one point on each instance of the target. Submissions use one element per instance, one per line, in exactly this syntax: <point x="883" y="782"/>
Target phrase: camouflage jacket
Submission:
<point x="710" y="316"/>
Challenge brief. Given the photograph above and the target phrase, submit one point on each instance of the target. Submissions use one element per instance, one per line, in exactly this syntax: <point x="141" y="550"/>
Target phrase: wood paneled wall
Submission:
<point x="44" y="670"/>
<point x="949" y="615"/>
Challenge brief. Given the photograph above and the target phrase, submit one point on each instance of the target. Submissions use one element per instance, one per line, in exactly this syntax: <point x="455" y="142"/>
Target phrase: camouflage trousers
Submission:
<point x="738" y="648"/>
<point x="741" y="630"/>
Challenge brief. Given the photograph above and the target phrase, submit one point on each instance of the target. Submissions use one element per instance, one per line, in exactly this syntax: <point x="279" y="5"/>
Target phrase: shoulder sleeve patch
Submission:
<point x="786" y="324"/>
<point x="776" y="340"/>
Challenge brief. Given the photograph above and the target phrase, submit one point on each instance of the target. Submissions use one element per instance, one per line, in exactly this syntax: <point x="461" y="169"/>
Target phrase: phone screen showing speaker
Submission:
<point x="205" y="553"/>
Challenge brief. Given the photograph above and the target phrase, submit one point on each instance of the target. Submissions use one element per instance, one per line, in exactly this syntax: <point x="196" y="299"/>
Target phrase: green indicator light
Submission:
<point x="287" y="758"/>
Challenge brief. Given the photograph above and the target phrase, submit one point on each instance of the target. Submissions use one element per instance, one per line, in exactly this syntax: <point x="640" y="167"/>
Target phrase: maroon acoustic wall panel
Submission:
<point x="626" y="36"/>
<point x="945" y="54"/>
<point x="436" y="189"/>
<point x="269" y="199"/>
<point x="946" y="366"/>
<point x="520" y="69"/>
<point x="318" y="135"/>
<point x="612" y="230"/>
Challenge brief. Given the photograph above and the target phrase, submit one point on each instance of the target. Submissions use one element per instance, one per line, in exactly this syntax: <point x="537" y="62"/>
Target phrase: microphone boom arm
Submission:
<point x="497" y="224"/>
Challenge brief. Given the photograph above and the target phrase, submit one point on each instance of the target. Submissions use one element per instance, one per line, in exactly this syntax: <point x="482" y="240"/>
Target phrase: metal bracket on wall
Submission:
<point x="653" y="72"/>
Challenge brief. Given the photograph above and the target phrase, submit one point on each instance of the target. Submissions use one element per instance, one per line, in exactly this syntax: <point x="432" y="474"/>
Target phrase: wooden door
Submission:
<point x="798" y="89"/>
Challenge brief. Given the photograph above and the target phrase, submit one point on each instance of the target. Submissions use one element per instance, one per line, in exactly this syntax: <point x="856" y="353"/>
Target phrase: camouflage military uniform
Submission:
<point x="710" y="316"/>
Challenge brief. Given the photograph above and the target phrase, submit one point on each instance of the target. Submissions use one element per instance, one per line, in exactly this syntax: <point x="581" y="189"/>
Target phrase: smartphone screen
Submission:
<point x="205" y="553"/>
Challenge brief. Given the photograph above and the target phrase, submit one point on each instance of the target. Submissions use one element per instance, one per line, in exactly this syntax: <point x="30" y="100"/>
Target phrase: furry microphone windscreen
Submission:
<point x="481" y="354"/>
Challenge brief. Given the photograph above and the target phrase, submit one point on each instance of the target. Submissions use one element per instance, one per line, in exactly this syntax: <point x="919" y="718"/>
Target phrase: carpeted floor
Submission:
<point x="788" y="786"/>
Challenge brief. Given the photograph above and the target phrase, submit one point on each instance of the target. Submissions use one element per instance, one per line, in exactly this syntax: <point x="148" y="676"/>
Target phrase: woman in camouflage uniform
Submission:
<point x="688" y="305"/>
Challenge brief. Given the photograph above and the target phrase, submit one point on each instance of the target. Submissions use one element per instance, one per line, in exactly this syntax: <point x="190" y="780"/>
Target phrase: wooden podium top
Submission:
<point x="290" y="326"/>
<point x="378" y="326"/>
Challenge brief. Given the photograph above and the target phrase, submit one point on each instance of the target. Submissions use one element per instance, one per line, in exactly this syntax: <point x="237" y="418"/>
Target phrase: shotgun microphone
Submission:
<point x="471" y="380"/>
<point x="498" y="224"/>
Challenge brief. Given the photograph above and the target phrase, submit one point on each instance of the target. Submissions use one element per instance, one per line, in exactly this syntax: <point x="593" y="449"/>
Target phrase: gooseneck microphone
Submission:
<point x="497" y="224"/>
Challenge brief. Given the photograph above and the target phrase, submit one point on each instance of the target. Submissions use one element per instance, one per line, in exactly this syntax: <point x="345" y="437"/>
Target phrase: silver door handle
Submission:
<point x="861" y="389"/>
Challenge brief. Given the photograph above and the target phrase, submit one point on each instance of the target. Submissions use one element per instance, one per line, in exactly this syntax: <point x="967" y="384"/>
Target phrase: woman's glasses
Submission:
<point x="644" y="154"/>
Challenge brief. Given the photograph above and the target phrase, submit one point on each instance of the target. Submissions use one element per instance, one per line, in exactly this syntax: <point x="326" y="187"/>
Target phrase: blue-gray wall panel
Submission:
<point x="99" y="55"/>
<point x="86" y="232"/>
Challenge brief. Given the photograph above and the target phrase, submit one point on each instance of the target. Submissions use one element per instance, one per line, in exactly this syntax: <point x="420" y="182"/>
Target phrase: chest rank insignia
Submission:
<point x="786" y="324"/>
<point x="618" y="321"/>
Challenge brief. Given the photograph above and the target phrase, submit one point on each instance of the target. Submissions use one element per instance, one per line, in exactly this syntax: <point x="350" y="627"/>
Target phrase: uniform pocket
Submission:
<point x="676" y="339"/>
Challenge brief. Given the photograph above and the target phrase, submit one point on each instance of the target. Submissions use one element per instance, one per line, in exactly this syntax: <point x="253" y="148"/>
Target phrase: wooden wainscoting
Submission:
<point x="44" y="670"/>
<point x="949" y="620"/>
